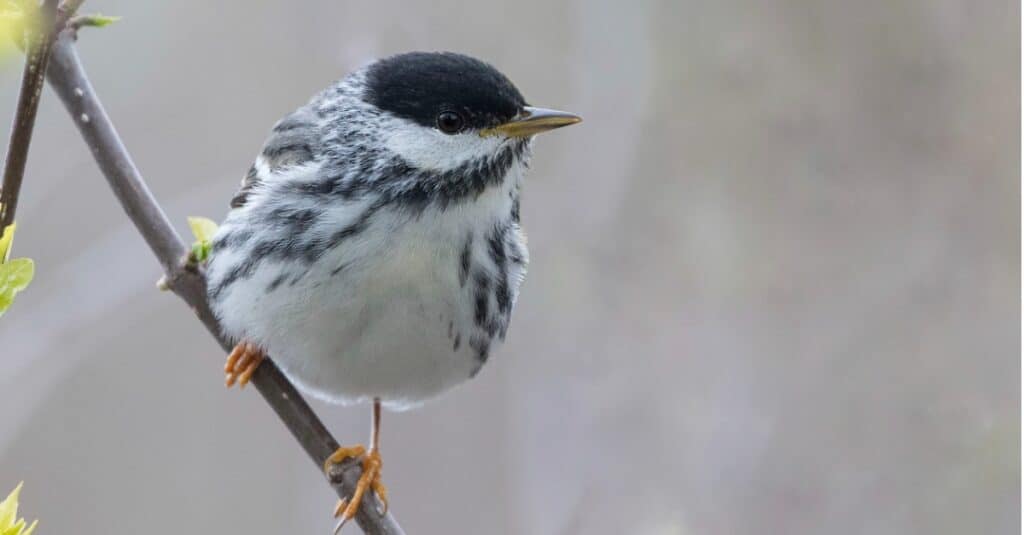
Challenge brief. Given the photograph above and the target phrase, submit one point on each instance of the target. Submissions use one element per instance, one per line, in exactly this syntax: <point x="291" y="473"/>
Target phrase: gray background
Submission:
<point x="774" y="285"/>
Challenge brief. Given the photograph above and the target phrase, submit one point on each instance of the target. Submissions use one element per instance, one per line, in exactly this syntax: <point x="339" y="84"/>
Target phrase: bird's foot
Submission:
<point x="370" y="479"/>
<point x="242" y="363"/>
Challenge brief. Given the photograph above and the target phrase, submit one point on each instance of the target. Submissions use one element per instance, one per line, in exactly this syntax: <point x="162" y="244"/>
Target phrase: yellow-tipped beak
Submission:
<point x="533" y="121"/>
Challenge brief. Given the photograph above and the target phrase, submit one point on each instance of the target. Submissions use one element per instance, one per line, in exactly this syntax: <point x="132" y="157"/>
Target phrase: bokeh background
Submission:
<point x="774" y="286"/>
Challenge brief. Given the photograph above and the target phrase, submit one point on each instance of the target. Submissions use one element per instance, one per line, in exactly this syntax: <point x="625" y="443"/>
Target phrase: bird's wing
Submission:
<point x="292" y="142"/>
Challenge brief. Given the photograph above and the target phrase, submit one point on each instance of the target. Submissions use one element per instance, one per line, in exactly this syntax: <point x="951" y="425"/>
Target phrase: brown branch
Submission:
<point x="67" y="77"/>
<point x="40" y="39"/>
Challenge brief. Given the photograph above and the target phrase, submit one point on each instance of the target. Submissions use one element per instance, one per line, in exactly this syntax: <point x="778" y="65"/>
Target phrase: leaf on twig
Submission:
<point x="203" y="229"/>
<point x="10" y="524"/>
<point x="94" y="20"/>
<point x="15" y="274"/>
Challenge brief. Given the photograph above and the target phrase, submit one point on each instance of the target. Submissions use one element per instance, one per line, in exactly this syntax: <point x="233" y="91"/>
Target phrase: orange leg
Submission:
<point x="369" y="480"/>
<point x="242" y="363"/>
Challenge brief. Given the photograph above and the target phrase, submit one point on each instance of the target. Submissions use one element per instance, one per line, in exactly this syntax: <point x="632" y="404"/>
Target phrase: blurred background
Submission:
<point x="774" y="285"/>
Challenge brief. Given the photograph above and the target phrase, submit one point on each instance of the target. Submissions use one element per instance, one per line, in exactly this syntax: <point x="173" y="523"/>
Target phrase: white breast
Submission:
<point x="383" y="315"/>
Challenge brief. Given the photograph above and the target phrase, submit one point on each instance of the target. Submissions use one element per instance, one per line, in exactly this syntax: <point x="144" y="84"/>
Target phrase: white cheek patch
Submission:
<point x="429" y="148"/>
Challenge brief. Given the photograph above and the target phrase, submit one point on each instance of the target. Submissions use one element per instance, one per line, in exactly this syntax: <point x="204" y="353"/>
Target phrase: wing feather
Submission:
<point x="294" y="141"/>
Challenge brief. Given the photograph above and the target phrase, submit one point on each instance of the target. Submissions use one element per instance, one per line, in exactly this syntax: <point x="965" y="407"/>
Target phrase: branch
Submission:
<point x="40" y="39"/>
<point x="67" y="77"/>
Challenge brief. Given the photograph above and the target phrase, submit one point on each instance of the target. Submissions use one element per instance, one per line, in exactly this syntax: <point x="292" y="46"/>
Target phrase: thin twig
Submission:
<point x="67" y="77"/>
<point x="40" y="39"/>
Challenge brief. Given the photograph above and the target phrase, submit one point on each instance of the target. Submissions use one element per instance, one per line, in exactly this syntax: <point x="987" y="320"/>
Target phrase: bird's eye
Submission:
<point x="449" y="122"/>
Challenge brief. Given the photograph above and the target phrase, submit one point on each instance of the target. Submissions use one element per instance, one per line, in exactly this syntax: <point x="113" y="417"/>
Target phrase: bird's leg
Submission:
<point x="242" y="363"/>
<point x="370" y="479"/>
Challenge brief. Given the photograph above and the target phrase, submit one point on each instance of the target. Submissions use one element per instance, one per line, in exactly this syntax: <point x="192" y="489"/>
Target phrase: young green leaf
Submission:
<point x="99" y="20"/>
<point x="9" y="508"/>
<point x="203" y="229"/>
<point x="10" y="524"/>
<point x="94" y="20"/>
<point x="15" y="276"/>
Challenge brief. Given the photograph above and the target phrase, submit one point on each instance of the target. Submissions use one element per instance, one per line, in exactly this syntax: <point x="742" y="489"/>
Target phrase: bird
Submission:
<point x="374" y="250"/>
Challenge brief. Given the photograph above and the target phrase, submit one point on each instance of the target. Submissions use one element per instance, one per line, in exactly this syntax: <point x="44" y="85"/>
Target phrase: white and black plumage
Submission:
<point x="374" y="250"/>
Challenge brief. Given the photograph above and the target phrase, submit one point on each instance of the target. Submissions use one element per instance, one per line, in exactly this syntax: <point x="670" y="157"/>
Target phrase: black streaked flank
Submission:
<point x="482" y="300"/>
<point x="464" y="257"/>
<point x="276" y="282"/>
<point x="496" y="246"/>
<point x="301" y="275"/>
<point x="231" y="239"/>
<point x="353" y="229"/>
<point x="295" y="221"/>
<point x="241" y="270"/>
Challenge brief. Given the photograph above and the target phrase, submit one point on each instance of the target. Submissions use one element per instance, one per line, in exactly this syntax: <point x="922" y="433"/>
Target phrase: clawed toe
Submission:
<point x="370" y="479"/>
<point x="242" y="363"/>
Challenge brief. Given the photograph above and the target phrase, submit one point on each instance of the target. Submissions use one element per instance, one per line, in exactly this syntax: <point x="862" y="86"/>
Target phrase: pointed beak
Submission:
<point x="533" y="121"/>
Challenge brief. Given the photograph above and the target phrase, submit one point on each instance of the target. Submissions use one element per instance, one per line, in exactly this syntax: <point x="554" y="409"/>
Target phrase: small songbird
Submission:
<point x="374" y="250"/>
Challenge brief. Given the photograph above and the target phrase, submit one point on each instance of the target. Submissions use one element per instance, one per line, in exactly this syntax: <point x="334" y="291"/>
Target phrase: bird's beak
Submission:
<point x="533" y="121"/>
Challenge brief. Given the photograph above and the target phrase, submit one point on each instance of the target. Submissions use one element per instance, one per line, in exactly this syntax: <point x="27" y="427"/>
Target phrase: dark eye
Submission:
<point x="449" y="122"/>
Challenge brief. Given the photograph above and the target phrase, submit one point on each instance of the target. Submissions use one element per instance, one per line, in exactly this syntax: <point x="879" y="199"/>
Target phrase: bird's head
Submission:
<point x="443" y="111"/>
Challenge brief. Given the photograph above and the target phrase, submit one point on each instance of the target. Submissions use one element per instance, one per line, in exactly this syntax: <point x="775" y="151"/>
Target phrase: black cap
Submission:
<point x="420" y="85"/>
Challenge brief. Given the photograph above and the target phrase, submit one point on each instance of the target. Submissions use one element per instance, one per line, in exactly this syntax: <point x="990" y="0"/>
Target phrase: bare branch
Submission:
<point x="67" y="77"/>
<point x="40" y="38"/>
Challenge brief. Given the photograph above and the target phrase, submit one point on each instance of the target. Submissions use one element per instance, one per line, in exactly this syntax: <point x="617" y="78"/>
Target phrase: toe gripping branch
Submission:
<point x="242" y="363"/>
<point x="334" y="467"/>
